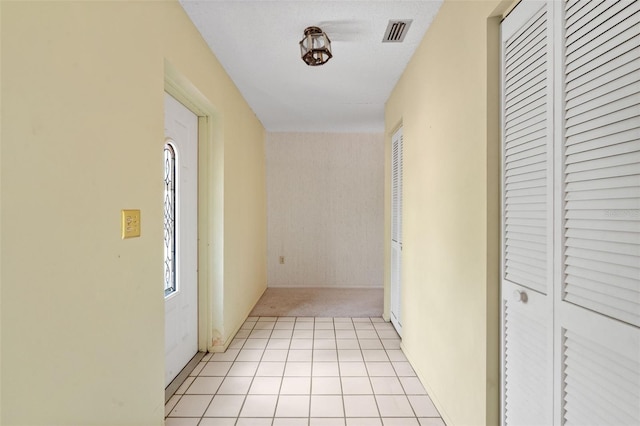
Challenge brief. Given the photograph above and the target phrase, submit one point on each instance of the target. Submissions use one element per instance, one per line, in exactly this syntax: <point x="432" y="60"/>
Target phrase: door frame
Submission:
<point x="210" y="205"/>
<point x="386" y="313"/>
<point x="395" y="285"/>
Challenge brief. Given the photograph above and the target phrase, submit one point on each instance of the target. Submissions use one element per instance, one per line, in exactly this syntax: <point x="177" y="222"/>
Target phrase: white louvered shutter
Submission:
<point x="527" y="139"/>
<point x="528" y="365"/>
<point x="599" y="306"/>
<point x="396" y="228"/>
<point x="602" y="158"/>
<point x="396" y="187"/>
<point x="600" y="370"/>
<point x="527" y="250"/>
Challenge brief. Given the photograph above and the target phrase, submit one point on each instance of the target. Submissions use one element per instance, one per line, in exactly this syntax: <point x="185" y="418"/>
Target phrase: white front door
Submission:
<point x="180" y="236"/>
<point x="396" y="228"/>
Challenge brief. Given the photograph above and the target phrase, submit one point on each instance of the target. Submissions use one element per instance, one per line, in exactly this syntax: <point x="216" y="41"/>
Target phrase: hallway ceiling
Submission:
<point x="257" y="44"/>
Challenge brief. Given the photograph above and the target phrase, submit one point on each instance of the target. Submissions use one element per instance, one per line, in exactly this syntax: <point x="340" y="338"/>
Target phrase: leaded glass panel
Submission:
<point x="169" y="220"/>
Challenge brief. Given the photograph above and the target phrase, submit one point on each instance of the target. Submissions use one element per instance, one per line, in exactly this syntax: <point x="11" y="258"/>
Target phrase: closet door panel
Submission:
<point x="527" y="366"/>
<point x="527" y="339"/>
<point x="597" y="306"/>
<point x="602" y="160"/>
<point x="600" y="369"/>
<point x="526" y="147"/>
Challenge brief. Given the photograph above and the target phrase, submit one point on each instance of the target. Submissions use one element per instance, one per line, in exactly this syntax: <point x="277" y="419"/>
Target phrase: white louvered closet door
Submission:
<point x="588" y="284"/>
<point x="527" y="213"/>
<point x="598" y="308"/>
<point x="396" y="229"/>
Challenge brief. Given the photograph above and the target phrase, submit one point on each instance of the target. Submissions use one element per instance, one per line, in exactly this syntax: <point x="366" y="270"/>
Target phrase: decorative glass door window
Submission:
<point x="170" y="286"/>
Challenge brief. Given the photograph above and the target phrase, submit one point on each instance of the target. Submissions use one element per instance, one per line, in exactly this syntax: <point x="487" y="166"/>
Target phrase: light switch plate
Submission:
<point x="130" y="223"/>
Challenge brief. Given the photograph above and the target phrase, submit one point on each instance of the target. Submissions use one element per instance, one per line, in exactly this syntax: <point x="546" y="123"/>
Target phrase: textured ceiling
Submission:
<point x="257" y="44"/>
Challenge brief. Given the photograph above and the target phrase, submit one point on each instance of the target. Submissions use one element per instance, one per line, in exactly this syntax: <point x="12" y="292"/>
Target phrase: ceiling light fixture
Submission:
<point x="315" y="47"/>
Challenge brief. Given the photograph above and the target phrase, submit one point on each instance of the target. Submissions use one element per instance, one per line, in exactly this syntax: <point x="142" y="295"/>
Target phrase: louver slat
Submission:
<point x="602" y="160"/>
<point x="534" y="255"/>
<point x="604" y="246"/>
<point x="631" y="135"/>
<point x="613" y="183"/>
<point x="520" y="166"/>
<point x="615" y="121"/>
<point x="525" y="167"/>
<point x="594" y="24"/>
<point x="611" y="258"/>
<point x="519" y="71"/>
<point x="574" y="5"/>
<point x="523" y="110"/>
<point x="525" y="103"/>
<point x="396" y="189"/>
<point x="614" y="307"/>
<point x="615" y="69"/>
<point x="604" y="194"/>
<point x="609" y="97"/>
<point x="600" y="384"/>
<point x="578" y="14"/>
<point x="521" y="43"/>
<point x="526" y="142"/>
<point x="618" y="392"/>
<point x="526" y="202"/>
<point x="532" y="87"/>
<point x="611" y="130"/>
<point x="609" y="46"/>
<point x="606" y="268"/>
<point x="581" y="153"/>
<point x="603" y="79"/>
<point x="525" y="365"/>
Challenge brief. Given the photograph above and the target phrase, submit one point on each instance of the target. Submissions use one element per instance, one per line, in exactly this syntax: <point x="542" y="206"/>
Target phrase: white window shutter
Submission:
<point x="602" y="158"/>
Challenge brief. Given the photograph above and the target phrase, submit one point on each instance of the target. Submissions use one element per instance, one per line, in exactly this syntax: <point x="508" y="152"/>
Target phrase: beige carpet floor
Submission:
<point x="320" y="302"/>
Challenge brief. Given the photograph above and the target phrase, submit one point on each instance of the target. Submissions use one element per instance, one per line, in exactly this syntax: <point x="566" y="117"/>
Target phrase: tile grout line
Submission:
<point x="313" y="347"/>
<point x="371" y="325"/>
<point x="283" y="371"/>
<point x="255" y="373"/>
<point x="335" y="338"/>
<point x="373" y="391"/>
<point x="227" y="375"/>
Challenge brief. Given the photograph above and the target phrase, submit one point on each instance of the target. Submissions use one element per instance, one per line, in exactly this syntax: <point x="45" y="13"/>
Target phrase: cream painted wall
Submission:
<point x="325" y="209"/>
<point x="0" y="215"/>
<point x="447" y="101"/>
<point x="82" y="134"/>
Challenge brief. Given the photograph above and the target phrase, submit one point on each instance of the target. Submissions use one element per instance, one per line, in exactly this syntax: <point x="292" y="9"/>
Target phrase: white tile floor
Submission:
<point x="288" y="371"/>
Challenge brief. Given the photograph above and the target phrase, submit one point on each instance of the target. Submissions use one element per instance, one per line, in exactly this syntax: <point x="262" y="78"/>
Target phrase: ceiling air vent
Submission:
<point x="396" y="30"/>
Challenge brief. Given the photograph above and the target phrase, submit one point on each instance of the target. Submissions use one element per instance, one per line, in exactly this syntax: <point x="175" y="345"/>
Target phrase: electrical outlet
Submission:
<point x="282" y="260"/>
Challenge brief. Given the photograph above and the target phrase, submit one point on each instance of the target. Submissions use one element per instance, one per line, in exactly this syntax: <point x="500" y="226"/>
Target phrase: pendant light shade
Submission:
<point x="315" y="47"/>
